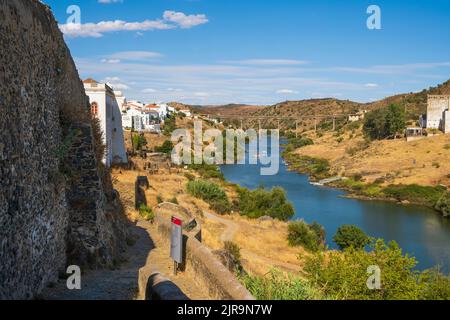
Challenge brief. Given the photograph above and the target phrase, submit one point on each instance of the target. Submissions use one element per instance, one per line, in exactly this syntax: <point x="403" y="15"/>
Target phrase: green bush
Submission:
<point x="278" y="286"/>
<point x="443" y="204"/>
<point x="146" y="213"/>
<point x="208" y="171"/>
<point x="170" y="125"/>
<point x="434" y="285"/>
<point x="211" y="193"/>
<point x="311" y="237"/>
<point x="424" y="195"/>
<point x="159" y="199"/>
<point x="166" y="147"/>
<point x="344" y="275"/>
<point x="300" y="142"/>
<point x="139" y="141"/>
<point x="260" y="202"/>
<point x="316" y="167"/>
<point x="351" y="236"/>
<point x="384" y="123"/>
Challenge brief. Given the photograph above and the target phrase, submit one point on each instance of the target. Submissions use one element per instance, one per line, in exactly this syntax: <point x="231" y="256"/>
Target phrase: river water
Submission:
<point x="421" y="232"/>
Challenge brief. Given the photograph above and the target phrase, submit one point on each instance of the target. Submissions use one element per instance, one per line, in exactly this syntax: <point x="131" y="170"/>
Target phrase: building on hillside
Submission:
<point x="360" y="115"/>
<point x="105" y="108"/>
<point x="186" y="112"/>
<point x="141" y="118"/>
<point x="438" y="112"/>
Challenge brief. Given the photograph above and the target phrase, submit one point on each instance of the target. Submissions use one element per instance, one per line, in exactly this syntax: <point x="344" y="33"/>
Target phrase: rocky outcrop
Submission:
<point x="53" y="202"/>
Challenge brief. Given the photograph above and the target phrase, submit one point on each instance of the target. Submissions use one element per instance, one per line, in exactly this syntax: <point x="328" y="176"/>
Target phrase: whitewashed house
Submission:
<point x="105" y="107"/>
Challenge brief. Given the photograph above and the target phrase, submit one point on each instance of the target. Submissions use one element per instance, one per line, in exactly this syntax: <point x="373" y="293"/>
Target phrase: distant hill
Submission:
<point x="414" y="103"/>
<point x="312" y="107"/>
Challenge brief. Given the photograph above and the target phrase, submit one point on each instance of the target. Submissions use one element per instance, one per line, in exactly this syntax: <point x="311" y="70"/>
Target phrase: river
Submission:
<point x="420" y="231"/>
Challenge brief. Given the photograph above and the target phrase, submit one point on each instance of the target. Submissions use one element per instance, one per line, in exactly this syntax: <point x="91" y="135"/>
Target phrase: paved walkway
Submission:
<point x="122" y="284"/>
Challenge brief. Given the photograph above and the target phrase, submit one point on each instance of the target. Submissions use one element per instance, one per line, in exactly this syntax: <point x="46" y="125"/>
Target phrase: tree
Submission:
<point x="374" y="124"/>
<point x="349" y="236"/>
<point x="395" y="121"/>
<point x="383" y="123"/>
<point x="311" y="237"/>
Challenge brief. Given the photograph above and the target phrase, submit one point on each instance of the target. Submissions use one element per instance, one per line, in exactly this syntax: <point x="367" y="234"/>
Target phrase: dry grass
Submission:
<point x="424" y="162"/>
<point x="264" y="243"/>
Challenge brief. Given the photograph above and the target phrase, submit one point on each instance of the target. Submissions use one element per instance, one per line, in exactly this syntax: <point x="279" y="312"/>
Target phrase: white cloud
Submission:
<point x="171" y="20"/>
<point x="286" y="91"/>
<point x="185" y="21"/>
<point x="109" y="1"/>
<point x="371" y="85"/>
<point x="149" y="90"/>
<point x="115" y="83"/>
<point x="110" y="61"/>
<point x="134" y="55"/>
<point x="267" y="62"/>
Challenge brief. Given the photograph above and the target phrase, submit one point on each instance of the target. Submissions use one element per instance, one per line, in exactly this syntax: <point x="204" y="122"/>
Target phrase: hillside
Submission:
<point x="312" y="107"/>
<point x="414" y="103"/>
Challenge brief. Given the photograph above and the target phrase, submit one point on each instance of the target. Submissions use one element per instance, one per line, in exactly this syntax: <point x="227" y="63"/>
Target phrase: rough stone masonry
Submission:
<point x="50" y="214"/>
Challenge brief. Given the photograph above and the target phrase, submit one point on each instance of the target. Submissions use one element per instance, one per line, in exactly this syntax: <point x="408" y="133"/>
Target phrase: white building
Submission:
<point x="142" y="118"/>
<point x="438" y="112"/>
<point x="187" y="112"/>
<point x="105" y="107"/>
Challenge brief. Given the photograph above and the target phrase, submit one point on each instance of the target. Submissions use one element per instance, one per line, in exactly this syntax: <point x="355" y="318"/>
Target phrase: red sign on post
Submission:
<point x="176" y="243"/>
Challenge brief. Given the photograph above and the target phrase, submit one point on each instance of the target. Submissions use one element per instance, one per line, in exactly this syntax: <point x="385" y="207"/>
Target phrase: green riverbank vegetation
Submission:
<point x="345" y="275"/>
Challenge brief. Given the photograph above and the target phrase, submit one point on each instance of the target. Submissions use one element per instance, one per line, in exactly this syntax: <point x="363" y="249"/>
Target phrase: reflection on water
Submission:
<point x="421" y="232"/>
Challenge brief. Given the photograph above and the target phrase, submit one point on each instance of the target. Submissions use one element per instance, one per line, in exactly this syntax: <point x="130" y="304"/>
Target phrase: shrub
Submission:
<point x="443" y="204"/>
<point x="166" y="147"/>
<point x="300" y="142"/>
<point x="146" y="213"/>
<point x="311" y="237"/>
<point x="351" y="236"/>
<point x="189" y="176"/>
<point x="159" y="199"/>
<point x="139" y="141"/>
<point x="174" y="200"/>
<point x="343" y="275"/>
<point x="233" y="249"/>
<point x="170" y="124"/>
<point x="434" y="285"/>
<point x="278" y="286"/>
<point x="211" y="193"/>
<point x="424" y="195"/>
<point x="207" y="171"/>
<point x="261" y="202"/>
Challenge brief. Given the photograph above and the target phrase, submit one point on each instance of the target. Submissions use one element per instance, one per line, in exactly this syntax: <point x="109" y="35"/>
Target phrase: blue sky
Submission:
<point x="259" y="51"/>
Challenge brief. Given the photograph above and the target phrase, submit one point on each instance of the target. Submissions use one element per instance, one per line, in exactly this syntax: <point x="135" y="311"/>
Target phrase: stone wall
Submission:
<point x="209" y="271"/>
<point x="52" y="204"/>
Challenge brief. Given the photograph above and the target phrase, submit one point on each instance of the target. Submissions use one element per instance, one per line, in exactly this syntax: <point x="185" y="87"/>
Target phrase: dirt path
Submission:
<point x="122" y="284"/>
<point x="231" y="228"/>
